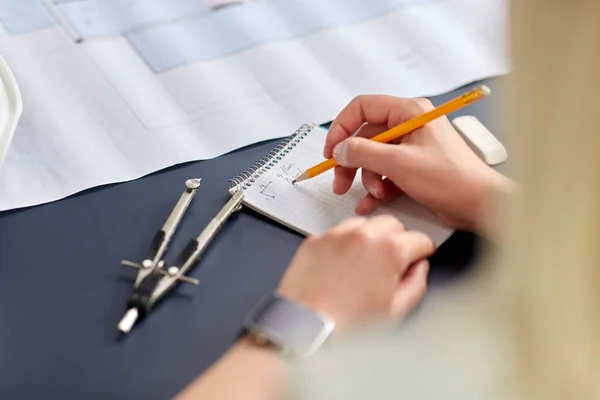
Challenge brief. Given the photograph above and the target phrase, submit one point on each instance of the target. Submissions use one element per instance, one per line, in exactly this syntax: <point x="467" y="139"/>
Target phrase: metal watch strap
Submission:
<point x="290" y="326"/>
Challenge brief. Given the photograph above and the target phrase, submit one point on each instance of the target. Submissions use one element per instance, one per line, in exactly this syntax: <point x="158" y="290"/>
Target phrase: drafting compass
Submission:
<point x="154" y="279"/>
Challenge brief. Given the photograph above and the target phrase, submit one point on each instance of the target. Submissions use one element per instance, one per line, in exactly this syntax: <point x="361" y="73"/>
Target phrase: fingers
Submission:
<point x="371" y="180"/>
<point x="385" y="225"/>
<point x="377" y="110"/>
<point x="411" y="290"/>
<point x="344" y="177"/>
<point x="370" y="204"/>
<point x="381" y="158"/>
<point x="348" y="225"/>
<point x="373" y="183"/>
<point x="381" y="226"/>
<point x="410" y="247"/>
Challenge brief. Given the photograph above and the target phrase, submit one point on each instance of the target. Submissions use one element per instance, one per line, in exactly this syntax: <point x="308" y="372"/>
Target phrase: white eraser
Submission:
<point x="480" y="139"/>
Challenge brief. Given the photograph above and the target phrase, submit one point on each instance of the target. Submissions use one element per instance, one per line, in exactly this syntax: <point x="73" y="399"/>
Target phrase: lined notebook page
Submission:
<point x="311" y="207"/>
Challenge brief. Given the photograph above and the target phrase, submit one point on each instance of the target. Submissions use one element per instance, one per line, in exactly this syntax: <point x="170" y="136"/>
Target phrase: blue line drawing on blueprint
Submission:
<point x="234" y="29"/>
<point x="21" y="16"/>
<point x="170" y="33"/>
<point x="112" y="17"/>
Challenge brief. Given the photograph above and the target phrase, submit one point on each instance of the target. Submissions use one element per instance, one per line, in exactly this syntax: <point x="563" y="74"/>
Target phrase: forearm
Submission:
<point x="247" y="371"/>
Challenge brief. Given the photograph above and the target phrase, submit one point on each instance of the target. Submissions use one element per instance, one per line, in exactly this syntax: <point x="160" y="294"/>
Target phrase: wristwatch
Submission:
<point x="289" y="326"/>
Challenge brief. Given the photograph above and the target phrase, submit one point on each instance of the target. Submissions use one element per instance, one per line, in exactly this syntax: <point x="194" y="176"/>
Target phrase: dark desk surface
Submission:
<point x="62" y="290"/>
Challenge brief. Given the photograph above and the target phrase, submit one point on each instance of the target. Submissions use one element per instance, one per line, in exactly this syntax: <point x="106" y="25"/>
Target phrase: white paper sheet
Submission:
<point x="146" y="93"/>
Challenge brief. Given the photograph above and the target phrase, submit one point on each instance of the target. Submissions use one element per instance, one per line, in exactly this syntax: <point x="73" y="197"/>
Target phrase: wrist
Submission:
<point x="341" y="313"/>
<point x="496" y="192"/>
<point x="255" y="342"/>
<point x="288" y="326"/>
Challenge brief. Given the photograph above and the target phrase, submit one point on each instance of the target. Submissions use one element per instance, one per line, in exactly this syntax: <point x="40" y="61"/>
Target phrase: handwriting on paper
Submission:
<point x="265" y="191"/>
<point x="284" y="172"/>
<point x="288" y="172"/>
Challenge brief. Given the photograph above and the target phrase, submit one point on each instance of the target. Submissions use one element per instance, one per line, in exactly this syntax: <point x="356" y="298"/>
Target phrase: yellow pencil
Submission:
<point x="407" y="127"/>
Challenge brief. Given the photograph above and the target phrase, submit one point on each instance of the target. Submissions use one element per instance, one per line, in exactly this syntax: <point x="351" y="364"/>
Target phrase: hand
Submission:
<point x="433" y="165"/>
<point x="362" y="269"/>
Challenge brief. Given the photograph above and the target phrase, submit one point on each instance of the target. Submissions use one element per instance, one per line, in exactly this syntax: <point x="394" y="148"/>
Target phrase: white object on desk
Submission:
<point x="11" y="106"/>
<point x="480" y="139"/>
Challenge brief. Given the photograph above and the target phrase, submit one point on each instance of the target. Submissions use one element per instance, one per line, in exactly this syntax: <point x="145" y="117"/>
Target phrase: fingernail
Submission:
<point x="335" y="187"/>
<point x="374" y="190"/>
<point x="339" y="153"/>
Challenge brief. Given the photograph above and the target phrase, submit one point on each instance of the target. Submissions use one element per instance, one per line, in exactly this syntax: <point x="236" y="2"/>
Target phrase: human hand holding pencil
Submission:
<point x="431" y="163"/>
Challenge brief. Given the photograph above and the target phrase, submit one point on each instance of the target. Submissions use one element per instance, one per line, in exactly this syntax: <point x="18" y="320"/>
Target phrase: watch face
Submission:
<point x="290" y="325"/>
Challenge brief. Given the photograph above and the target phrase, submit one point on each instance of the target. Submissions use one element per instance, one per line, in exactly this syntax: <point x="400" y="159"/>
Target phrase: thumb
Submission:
<point x="357" y="152"/>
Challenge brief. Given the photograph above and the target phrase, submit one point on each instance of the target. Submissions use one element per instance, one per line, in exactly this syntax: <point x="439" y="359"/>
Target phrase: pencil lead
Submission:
<point x="302" y="177"/>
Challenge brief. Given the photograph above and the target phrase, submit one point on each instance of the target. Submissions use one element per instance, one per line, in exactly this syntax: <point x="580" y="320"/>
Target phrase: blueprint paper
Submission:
<point x="24" y="15"/>
<point x="113" y="99"/>
<point x="240" y="28"/>
<point x="107" y="17"/>
<point x="221" y="3"/>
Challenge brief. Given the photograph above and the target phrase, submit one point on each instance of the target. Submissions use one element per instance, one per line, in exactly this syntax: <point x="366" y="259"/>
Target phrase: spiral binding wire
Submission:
<point x="250" y="175"/>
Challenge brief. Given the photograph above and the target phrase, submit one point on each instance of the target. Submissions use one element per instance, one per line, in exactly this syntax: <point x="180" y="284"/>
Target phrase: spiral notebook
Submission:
<point x="310" y="207"/>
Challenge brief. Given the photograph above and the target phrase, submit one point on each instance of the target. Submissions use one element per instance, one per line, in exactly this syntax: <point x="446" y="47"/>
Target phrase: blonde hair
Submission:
<point x="553" y="248"/>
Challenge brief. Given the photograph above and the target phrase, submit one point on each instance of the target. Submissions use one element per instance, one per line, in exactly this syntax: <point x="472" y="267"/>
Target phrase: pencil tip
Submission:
<point x="302" y="177"/>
